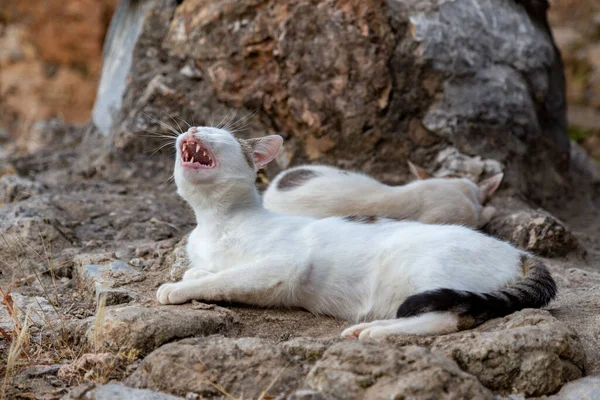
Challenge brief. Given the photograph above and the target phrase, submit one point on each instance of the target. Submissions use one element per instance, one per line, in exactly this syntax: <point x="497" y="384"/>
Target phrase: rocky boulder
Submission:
<point x="358" y="84"/>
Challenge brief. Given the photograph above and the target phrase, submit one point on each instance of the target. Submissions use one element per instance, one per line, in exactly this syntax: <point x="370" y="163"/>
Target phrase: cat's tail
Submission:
<point x="534" y="290"/>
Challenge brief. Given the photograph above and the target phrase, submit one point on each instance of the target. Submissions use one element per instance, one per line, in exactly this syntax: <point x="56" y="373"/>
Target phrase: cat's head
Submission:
<point x="207" y="156"/>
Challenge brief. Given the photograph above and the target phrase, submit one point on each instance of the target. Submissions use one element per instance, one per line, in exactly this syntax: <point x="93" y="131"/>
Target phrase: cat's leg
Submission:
<point x="258" y="284"/>
<point x="196" y="273"/>
<point x="435" y="323"/>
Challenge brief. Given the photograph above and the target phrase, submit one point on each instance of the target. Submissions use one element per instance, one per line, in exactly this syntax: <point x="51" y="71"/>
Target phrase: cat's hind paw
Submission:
<point x="356" y="331"/>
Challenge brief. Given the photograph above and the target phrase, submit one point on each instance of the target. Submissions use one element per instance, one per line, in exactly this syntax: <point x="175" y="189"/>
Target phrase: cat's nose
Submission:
<point x="192" y="130"/>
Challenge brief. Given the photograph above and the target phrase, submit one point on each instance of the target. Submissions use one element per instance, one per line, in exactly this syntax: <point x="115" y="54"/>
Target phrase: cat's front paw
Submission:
<point x="170" y="293"/>
<point x="195" y="273"/>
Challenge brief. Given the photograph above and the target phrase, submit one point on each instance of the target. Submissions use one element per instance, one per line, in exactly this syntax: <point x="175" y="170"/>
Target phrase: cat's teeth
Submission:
<point x="192" y="160"/>
<point x="204" y="153"/>
<point x="197" y="148"/>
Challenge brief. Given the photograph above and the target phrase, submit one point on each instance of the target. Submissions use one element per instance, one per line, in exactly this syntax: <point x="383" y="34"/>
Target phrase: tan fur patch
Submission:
<point x="525" y="263"/>
<point x="247" y="151"/>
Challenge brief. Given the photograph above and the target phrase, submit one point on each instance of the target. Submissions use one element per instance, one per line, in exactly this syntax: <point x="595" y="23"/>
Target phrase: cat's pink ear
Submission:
<point x="265" y="149"/>
<point x="488" y="187"/>
<point x="418" y="172"/>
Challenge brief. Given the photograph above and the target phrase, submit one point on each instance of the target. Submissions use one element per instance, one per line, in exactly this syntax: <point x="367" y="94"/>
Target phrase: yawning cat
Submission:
<point x="403" y="277"/>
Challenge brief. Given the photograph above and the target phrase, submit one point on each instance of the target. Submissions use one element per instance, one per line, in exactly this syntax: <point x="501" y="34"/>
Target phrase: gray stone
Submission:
<point x="114" y="391"/>
<point x="146" y="328"/>
<point x="16" y="188"/>
<point x="536" y="231"/>
<point x="102" y="280"/>
<point x="450" y="163"/>
<point x="581" y="389"/>
<point x="38" y="309"/>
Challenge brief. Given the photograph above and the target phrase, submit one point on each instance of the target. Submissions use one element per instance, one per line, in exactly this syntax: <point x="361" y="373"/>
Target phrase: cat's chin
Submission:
<point x="193" y="174"/>
<point x="195" y="166"/>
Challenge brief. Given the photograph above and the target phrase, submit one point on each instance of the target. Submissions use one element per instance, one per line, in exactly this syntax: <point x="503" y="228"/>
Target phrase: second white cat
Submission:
<point x="321" y="191"/>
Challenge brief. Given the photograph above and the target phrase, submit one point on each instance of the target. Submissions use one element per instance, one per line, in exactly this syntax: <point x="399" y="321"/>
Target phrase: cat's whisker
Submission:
<point x="242" y="121"/>
<point x="219" y="125"/>
<point x="163" y="124"/>
<point x="226" y="127"/>
<point x="160" y="148"/>
<point x="176" y="123"/>
<point x="184" y="121"/>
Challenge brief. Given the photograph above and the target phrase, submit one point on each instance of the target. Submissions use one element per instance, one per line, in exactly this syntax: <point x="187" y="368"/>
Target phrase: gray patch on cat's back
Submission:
<point x="363" y="219"/>
<point x="295" y="178"/>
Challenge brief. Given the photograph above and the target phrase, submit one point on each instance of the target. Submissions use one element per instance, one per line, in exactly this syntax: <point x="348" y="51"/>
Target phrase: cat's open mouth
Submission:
<point x="194" y="155"/>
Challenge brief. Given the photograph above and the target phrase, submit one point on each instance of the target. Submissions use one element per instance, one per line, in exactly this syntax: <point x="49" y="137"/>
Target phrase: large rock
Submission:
<point x="354" y="370"/>
<point x="144" y="329"/>
<point x="359" y="84"/>
<point x="536" y="231"/>
<point x="528" y="352"/>
<point x="216" y="366"/>
<point x="249" y="367"/>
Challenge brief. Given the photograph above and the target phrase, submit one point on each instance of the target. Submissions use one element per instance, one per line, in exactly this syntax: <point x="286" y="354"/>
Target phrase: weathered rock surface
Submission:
<point x="577" y="306"/>
<point x="244" y="367"/>
<point x="144" y="328"/>
<point x="16" y="188"/>
<point x="528" y="352"/>
<point x="178" y="261"/>
<point x="348" y="370"/>
<point x="113" y="391"/>
<point x="534" y="230"/>
<point x="104" y="280"/>
<point x="38" y="309"/>
<point x="354" y="370"/>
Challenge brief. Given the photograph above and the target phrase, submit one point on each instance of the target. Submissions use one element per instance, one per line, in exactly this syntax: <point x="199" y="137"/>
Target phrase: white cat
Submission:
<point x="321" y="191"/>
<point x="407" y="276"/>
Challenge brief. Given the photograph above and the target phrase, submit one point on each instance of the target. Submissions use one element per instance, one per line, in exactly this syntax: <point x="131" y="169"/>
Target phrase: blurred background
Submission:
<point x="51" y="58"/>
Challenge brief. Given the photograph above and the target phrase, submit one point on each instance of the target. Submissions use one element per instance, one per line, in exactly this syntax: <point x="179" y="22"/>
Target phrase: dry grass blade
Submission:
<point x="8" y="301"/>
<point x="6" y="335"/>
<point x="264" y="392"/>
<point x="99" y="323"/>
<point x="13" y="354"/>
